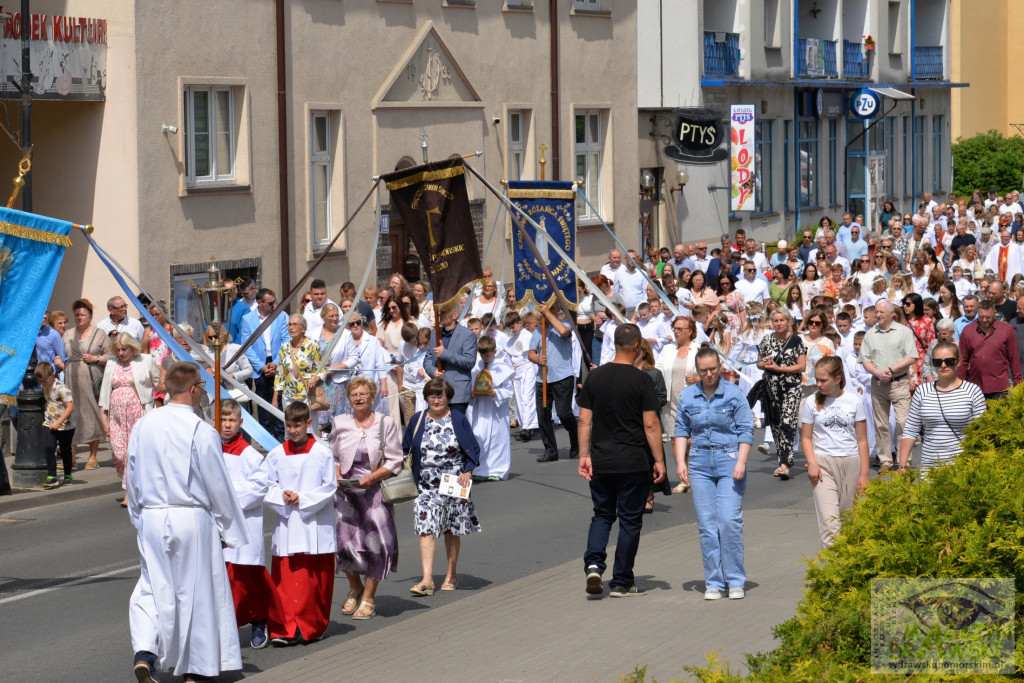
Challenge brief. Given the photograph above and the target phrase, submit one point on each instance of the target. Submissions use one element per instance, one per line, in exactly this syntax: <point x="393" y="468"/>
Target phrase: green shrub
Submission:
<point x="965" y="521"/>
<point x="987" y="160"/>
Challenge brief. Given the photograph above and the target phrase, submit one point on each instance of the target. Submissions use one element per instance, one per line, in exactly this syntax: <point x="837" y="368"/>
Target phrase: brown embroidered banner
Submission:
<point x="434" y="204"/>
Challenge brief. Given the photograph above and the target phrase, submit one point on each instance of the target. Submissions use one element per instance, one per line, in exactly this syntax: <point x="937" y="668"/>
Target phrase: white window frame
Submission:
<point x="587" y="5"/>
<point x="317" y="159"/>
<point x="517" y="123"/>
<point x="587" y="148"/>
<point x="216" y="176"/>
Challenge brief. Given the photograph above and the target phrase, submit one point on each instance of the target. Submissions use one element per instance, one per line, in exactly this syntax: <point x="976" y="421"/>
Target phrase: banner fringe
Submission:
<point x="424" y="176"/>
<point x="542" y="194"/>
<point x="8" y="400"/>
<point x="34" y="234"/>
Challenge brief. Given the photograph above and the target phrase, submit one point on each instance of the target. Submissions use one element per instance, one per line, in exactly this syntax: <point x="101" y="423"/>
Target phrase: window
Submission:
<point x="587" y="5"/>
<point x="588" y="161"/>
<point x="320" y="178"/>
<point x="937" y="184"/>
<point x="209" y="135"/>
<point x="833" y="161"/>
<point x="785" y="163"/>
<point x="890" y="156"/>
<point x="807" y="139"/>
<point x="763" y="167"/>
<point x="918" y="171"/>
<point x="518" y="121"/>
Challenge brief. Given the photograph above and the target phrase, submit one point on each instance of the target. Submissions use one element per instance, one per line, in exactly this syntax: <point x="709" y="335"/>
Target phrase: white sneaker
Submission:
<point x="757" y="423"/>
<point x="736" y="594"/>
<point x="765" y="448"/>
<point x="713" y="594"/>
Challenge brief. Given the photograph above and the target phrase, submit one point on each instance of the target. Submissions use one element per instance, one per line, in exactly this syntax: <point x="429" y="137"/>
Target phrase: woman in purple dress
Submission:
<point x="367" y="449"/>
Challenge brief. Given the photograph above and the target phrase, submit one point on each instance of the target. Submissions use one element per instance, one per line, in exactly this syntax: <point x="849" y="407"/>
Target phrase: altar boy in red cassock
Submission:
<point x="251" y="587"/>
<point x="302" y="482"/>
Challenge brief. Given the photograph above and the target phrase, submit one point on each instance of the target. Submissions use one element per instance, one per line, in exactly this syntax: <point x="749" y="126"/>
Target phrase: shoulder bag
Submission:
<point x="400" y="487"/>
<point x="938" y="400"/>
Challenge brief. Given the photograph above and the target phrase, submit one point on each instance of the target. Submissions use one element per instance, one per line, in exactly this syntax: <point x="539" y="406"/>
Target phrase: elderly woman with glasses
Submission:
<point x="371" y="361"/>
<point x="298" y="365"/>
<point x="714" y="430"/>
<point x="441" y="442"/>
<point x="130" y="381"/>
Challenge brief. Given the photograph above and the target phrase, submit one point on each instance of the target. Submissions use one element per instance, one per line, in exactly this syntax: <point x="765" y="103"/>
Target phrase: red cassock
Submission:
<point x="305" y="589"/>
<point x="253" y="592"/>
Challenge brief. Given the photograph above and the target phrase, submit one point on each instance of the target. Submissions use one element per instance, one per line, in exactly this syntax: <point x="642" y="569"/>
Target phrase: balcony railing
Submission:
<point x="855" y="61"/>
<point x="721" y="53"/>
<point x="817" y="59"/>
<point x="928" y="63"/>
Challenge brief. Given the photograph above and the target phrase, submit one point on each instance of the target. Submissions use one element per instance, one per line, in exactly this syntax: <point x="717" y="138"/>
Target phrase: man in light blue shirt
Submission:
<point x="970" y="305"/>
<point x="561" y="382"/>
<point x="856" y="248"/>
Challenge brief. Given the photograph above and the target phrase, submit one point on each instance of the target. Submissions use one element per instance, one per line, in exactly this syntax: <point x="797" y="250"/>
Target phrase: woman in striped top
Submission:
<point x="943" y="408"/>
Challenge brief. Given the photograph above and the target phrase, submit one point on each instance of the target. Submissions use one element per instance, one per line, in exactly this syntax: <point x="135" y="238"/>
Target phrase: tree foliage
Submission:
<point x="987" y="160"/>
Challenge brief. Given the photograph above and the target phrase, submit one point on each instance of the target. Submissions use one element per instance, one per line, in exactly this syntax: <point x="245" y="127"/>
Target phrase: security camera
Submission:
<point x="173" y="130"/>
<point x="496" y="120"/>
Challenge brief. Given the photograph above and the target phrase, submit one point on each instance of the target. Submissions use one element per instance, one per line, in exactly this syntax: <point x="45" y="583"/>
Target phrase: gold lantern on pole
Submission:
<point x="215" y="303"/>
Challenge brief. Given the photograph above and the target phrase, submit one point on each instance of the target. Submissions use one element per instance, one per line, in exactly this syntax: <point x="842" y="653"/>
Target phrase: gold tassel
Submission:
<point x="34" y="234"/>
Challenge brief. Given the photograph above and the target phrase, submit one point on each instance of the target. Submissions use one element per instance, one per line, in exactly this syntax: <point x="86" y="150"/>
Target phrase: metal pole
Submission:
<point x="216" y="376"/>
<point x="26" y="100"/>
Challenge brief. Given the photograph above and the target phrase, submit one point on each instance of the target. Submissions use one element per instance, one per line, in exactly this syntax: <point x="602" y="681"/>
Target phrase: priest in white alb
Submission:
<point x="181" y="501"/>
<point x="1004" y="259"/>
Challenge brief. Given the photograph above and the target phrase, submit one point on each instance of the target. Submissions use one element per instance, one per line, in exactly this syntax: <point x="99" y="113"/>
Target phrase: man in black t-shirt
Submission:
<point x="620" y="445"/>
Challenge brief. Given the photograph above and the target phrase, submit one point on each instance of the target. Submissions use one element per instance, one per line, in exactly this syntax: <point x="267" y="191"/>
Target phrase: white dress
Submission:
<point x="181" y="501"/>
<point x="489" y="418"/>
<point x="525" y="383"/>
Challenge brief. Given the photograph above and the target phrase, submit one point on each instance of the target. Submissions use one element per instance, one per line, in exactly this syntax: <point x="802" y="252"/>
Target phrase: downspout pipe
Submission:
<point x="556" y="142"/>
<point x="282" y="149"/>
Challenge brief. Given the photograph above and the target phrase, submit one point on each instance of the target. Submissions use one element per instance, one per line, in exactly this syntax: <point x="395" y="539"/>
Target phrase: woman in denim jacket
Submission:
<point x="714" y="419"/>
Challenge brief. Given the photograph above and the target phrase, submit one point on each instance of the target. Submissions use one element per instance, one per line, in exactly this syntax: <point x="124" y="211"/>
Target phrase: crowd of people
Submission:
<point x="846" y="348"/>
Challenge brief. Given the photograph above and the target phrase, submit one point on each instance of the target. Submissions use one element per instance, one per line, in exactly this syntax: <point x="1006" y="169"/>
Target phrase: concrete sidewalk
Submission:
<point x="545" y="628"/>
<point x="88" y="483"/>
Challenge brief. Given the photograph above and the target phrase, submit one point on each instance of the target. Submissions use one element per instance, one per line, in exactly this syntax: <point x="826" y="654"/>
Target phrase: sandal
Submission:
<point x="649" y="505"/>
<point x="366" y="610"/>
<point x="351" y="601"/>
<point x="681" y="488"/>
<point x="450" y="584"/>
<point x="422" y="588"/>
<point x="92" y="465"/>
<point x="782" y="472"/>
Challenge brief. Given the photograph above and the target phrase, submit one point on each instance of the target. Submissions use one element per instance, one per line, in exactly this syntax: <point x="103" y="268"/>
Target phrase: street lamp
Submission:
<point x="216" y="303"/>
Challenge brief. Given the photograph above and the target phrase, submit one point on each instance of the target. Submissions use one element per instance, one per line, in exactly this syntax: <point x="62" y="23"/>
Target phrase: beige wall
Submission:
<point x="366" y="42"/>
<point x="986" y="49"/>
<point x="233" y="44"/>
<point x="84" y="161"/>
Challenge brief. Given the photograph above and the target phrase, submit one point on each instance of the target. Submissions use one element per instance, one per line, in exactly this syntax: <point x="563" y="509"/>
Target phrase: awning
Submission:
<point x="893" y="94"/>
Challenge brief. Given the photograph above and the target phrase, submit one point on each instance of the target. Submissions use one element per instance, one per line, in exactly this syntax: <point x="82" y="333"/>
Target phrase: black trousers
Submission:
<point x="63" y="439"/>
<point x="264" y="386"/>
<point x="621" y="497"/>
<point x="5" y="482"/>
<point x="560" y="394"/>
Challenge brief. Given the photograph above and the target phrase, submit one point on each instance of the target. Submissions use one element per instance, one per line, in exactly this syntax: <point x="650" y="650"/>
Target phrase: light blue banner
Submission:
<point x="31" y="249"/>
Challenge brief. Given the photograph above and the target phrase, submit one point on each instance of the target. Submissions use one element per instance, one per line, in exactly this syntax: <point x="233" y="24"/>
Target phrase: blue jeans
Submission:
<point x="718" y="501"/>
<point x="619" y="496"/>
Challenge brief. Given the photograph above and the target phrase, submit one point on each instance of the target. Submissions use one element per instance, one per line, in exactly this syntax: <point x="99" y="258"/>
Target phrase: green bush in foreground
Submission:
<point x="965" y="521"/>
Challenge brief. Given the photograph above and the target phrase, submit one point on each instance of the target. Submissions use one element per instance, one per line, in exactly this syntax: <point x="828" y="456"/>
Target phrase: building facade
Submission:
<point x="798" y="62"/>
<point x="251" y="130"/>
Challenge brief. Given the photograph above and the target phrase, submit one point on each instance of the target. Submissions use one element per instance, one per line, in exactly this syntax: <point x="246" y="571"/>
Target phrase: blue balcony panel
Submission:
<point x="721" y="57"/>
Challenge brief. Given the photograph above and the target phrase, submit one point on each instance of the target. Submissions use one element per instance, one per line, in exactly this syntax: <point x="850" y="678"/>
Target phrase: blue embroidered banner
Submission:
<point x="552" y="205"/>
<point x="31" y="249"/>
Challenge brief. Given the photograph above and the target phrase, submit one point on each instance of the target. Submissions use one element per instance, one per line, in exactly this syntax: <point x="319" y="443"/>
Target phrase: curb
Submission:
<point x="26" y="499"/>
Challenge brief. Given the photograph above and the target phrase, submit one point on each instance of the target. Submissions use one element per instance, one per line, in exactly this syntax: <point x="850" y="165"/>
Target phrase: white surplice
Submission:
<point x="249" y="476"/>
<point x="489" y="418"/>
<point x="181" y="501"/>
<point x="308" y="527"/>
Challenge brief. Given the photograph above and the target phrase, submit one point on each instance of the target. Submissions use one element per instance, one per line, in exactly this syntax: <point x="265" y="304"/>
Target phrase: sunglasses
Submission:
<point x="355" y="323"/>
<point x="947" y="362"/>
<point x="814" y="323"/>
